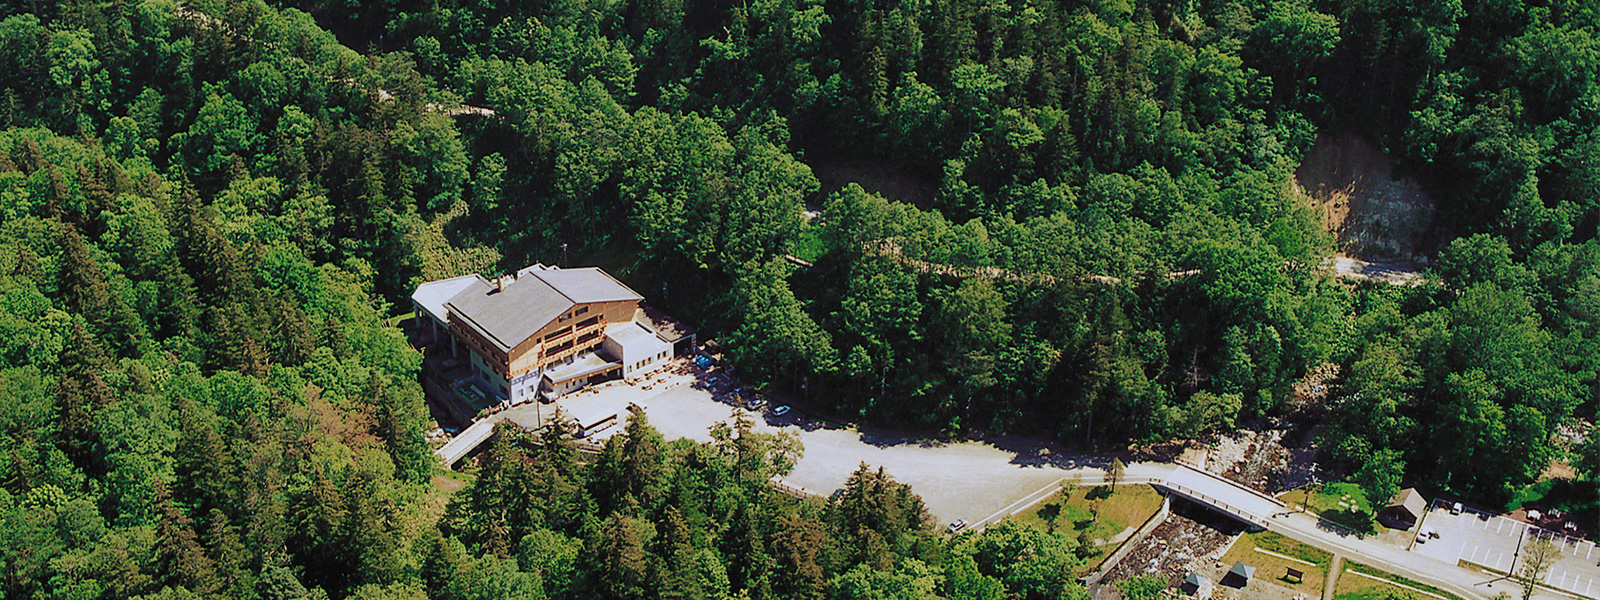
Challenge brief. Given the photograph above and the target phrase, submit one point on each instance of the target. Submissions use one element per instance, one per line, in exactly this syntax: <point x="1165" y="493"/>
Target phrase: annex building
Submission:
<point x="543" y="331"/>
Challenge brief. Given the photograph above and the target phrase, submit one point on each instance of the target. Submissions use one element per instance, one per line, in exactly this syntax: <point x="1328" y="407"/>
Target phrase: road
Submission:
<point x="1454" y="579"/>
<point x="1397" y="273"/>
<point x="983" y="482"/>
<point x="1309" y="529"/>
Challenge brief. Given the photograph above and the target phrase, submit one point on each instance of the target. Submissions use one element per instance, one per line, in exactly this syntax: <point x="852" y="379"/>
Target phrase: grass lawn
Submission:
<point x="1275" y="568"/>
<point x="1130" y="506"/>
<point x="1342" y="503"/>
<point x="1353" y="586"/>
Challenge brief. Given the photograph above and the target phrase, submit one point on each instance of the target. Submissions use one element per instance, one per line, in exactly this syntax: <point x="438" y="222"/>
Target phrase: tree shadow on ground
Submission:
<point x="1352" y="520"/>
<point x="1046" y="456"/>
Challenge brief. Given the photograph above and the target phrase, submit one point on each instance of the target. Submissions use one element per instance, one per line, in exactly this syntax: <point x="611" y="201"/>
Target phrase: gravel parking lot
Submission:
<point x="965" y="480"/>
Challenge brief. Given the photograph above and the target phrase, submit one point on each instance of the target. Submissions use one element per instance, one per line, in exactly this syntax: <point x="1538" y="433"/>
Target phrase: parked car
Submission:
<point x="958" y="525"/>
<point x="755" y="403"/>
<point x="781" y="410"/>
<point x="1456" y="510"/>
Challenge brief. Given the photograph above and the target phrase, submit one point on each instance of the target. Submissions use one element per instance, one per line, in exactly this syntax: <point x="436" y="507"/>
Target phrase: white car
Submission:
<point x="781" y="410"/>
<point x="958" y="525"/>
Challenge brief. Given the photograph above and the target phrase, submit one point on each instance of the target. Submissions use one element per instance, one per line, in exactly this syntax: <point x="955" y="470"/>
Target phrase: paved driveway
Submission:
<point x="973" y="481"/>
<point x="964" y="480"/>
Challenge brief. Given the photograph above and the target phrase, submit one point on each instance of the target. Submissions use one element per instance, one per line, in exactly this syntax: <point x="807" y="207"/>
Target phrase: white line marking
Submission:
<point x="1496" y="527"/>
<point x="1395" y="583"/>
<point x="1290" y="558"/>
<point x="1591" y="551"/>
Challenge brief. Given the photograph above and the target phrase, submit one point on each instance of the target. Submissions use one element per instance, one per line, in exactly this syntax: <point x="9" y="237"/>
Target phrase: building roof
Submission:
<point x="589" y="409"/>
<point x="526" y="302"/>
<point x="1194" y="579"/>
<point x="1242" y="570"/>
<point x="1411" y="501"/>
<point x="635" y="338"/>
<point x="670" y="330"/>
<point x="587" y="363"/>
<point x="588" y="284"/>
<point x="510" y="315"/>
<point x="433" y="295"/>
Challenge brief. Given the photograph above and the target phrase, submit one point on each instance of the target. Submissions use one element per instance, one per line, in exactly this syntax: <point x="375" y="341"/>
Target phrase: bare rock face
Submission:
<point x="1372" y="216"/>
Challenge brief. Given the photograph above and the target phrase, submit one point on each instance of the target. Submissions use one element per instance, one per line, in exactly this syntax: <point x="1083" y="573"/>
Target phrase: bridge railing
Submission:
<point x="1224" y="506"/>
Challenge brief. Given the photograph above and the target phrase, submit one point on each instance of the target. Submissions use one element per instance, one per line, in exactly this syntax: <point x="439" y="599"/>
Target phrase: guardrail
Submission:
<point x="791" y="490"/>
<point x="1236" y="485"/>
<point x="1210" y="501"/>
<point x="1015" y="507"/>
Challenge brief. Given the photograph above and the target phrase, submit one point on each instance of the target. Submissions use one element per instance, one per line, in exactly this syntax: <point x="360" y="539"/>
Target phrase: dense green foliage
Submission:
<point x="208" y="210"/>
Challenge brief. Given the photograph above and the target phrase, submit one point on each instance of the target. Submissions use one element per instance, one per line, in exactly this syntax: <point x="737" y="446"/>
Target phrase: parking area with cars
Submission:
<point x="1478" y="539"/>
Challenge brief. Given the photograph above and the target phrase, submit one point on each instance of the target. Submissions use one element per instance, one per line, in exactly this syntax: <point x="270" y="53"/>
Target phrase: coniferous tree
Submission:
<point x="180" y="556"/>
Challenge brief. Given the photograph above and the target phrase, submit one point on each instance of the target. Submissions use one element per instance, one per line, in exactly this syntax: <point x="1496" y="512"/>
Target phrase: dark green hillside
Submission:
<point x="210" y="210"/>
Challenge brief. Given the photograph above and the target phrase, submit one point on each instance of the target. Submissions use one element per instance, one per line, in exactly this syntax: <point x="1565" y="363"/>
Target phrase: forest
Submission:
<point x="212" y="211"/>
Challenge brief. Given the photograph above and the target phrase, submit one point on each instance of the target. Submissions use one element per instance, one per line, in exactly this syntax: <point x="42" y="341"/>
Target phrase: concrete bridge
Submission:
<point x="1222" y="494"/>
<point x="1243" y="503"/>
<point x="1266" y="512"/>
<point x="465" y="441"/>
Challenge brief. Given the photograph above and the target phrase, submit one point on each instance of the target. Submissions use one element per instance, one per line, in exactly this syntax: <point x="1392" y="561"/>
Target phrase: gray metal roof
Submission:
<point x="433" y="295"/>
<point x="1242" y="570"/>
<point x="532" y="300"/>
<point x="1411" y="501"/>
<point x="508" y="317"/>
<point x="589" y="284"/>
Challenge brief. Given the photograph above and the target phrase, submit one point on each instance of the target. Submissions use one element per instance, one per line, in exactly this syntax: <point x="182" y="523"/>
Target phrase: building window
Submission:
<point x="581" y="310"/>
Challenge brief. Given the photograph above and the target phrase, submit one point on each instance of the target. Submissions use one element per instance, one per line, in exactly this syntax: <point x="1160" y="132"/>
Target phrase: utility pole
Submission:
<point x="563" y="255"/>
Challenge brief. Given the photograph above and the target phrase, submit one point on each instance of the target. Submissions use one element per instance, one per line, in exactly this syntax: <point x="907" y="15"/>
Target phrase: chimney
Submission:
<point x="499" y="284"/>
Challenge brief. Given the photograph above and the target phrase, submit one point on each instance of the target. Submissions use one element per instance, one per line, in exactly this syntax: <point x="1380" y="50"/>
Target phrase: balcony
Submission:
<point x="557" y="337"/>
